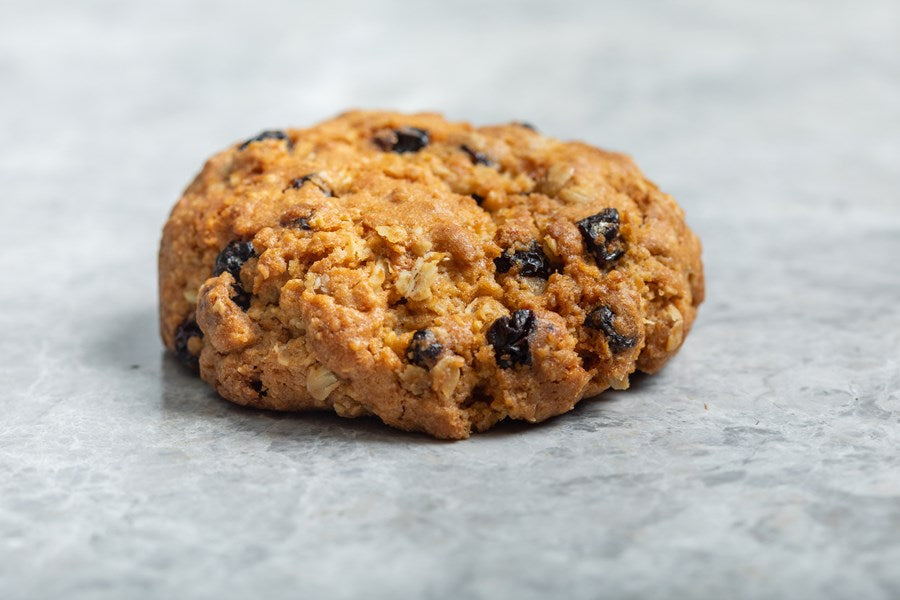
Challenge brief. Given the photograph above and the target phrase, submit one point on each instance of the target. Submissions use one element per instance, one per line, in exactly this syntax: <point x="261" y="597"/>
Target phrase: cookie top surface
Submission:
<point x="438" y="275"/>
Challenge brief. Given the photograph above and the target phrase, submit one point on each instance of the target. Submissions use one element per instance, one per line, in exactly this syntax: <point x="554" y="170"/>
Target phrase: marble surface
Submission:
<point x="761" y="463"/>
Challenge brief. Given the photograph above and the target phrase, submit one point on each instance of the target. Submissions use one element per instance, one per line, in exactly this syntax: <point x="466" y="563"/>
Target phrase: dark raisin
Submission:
<point x="526" y="125"/>
<point x="316" y="180"/>
<point x="602" y="318"/>
<point x="477" y="158"/>
<point x="257" y="386"/>
<point x="424" y="349"/>
<point x="301" y="222"/>
<point x="478" y="199"/>
<point x="600" y="233"/>
<point x="233" y="257"/>
<point x="290" y="219"/>
<point x="532" y="262"/>
<point x="509" y="337"/>
<point x="269" y="134"/>
<point x="183" y="334"/>
<point x="240" y="296"/>
<point x="405" y="139"/>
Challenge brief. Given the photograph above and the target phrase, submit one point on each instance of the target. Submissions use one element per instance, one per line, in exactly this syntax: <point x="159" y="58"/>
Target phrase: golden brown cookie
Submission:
<point x="438" y="275"/>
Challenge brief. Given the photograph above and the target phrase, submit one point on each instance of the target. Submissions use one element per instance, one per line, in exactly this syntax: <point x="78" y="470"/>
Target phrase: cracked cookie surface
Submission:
<point x="437" y="275"/>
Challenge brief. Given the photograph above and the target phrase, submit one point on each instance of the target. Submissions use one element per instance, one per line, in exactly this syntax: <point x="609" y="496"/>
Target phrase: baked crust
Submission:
<point x="310" y="258"/>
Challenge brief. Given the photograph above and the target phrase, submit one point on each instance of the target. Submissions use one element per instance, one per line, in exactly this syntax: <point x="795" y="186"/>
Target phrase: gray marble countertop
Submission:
<point x="761" y="463"/>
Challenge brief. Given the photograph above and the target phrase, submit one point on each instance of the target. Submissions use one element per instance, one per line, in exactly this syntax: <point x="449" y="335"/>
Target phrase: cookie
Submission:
<point x="440" y="276"/>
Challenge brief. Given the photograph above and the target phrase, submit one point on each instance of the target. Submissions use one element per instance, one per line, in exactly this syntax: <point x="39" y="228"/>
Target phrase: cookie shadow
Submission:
<point x="636" y="381"/>
<point x="127" y="341"/>
<point x="586" y="411"/>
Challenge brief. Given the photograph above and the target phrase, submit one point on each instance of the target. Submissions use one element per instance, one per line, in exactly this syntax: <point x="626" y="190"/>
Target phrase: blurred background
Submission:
<point x="761" y="463"/>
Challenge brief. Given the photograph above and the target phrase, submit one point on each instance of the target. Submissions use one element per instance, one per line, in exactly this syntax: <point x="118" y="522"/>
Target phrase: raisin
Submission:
<point x="301" y="222"/>
<point x="291" y="219"/>
<point x="600" y="233"/>
<point x="477" y="158"/>
<point x="405" y="139"/>
<point x="233" y="257"/>
<point x="602" y="318"/>
<point x="316" y="180"/>
<point x="257" y="386"/>
<point x="183" y="333"/>
<point x="526" y="125"/>
<point x="509" y="337"/>
<point x="423" y="349"/>
<point x="478" y="199"/>
<point x="240" y="296"/>
<point x="532" y="262"/>
<point x="269" y="134"/>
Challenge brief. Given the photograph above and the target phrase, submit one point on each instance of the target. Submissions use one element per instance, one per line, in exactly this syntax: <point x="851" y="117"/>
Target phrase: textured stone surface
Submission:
<point x="762" y="462"/>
